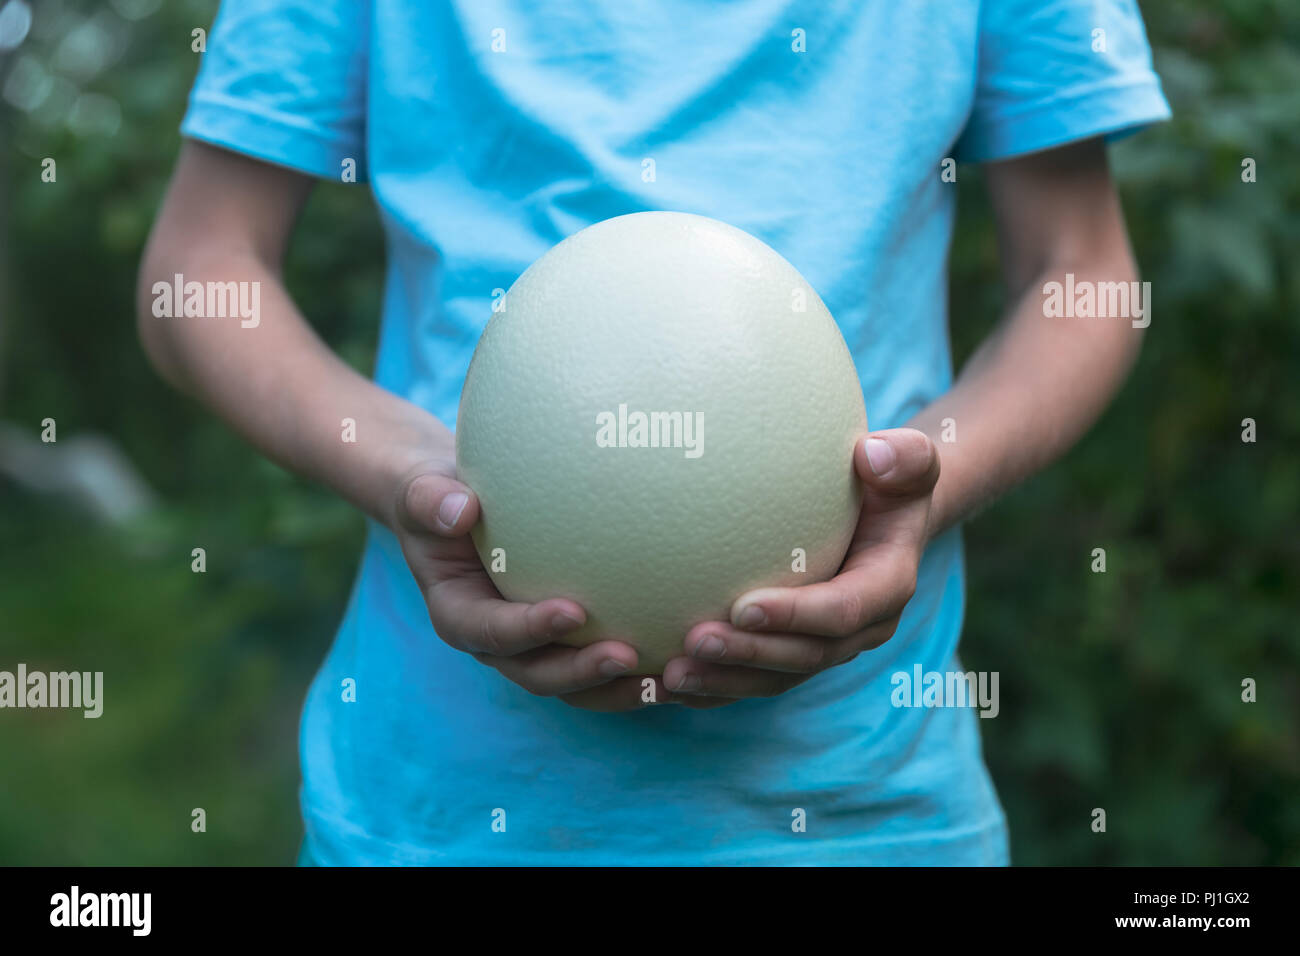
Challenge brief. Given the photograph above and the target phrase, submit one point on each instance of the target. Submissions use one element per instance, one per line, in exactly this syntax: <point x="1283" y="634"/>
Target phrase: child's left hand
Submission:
<point x="780" y="637"/>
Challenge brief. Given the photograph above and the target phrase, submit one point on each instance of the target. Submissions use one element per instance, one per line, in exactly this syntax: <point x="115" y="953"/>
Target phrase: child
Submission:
<point x="487" y="131"/>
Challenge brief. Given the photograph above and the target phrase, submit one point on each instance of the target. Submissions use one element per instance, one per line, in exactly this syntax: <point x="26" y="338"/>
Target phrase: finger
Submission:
<point x="467" y="617"/>
<point x="875" y="585"/>
<point x="554" y="670"/>
<point x="719" y="643"/>
<point x="684" y="676"/>
<point x="632" y="693"/>
<point x="899" y="469"/>
<point x="897" y="462"/>
<point x="699" y="702"/>
<point x="430" y="501"/>
<point x="621" y="694"/>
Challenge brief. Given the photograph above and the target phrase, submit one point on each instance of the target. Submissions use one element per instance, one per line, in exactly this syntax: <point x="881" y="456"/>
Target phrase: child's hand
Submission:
<point x="779" y="637"/>
<point x="434" y="513"/>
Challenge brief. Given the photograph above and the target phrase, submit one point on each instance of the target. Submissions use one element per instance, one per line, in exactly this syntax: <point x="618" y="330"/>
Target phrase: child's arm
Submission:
<point x="227" y="218"/>
<point x="1028" y="393"/>
<point x="1037" y="382"/>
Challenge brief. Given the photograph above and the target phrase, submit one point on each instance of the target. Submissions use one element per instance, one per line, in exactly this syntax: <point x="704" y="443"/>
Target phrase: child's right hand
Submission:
<point x="433" y="515"/>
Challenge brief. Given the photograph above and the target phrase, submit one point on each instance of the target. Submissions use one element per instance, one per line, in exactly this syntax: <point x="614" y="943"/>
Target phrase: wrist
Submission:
<point x="405" y="442"/>
<point x="402" y="463"/>
<point x="936" y="522"/>
<point x="940" y="517"/>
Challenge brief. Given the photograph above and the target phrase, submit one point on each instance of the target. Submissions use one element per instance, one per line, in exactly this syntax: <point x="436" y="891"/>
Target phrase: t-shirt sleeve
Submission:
<point x="1056" y="71"/>
<point x="285" y="81"/>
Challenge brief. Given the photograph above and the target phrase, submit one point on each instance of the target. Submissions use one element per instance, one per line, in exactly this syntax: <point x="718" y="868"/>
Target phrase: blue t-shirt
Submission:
<point x="488" y="131"/>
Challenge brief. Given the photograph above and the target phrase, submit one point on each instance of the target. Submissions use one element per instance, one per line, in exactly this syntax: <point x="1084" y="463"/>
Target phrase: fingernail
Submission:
<point x="880" y="455"/>
<point x="562" y="623"/>
<point x="711" y="646"/>
<point x="688" y="683"/>
<point x="452" y="506"/>
<point x="751" y="616"/>
<point x="612" y="668"/>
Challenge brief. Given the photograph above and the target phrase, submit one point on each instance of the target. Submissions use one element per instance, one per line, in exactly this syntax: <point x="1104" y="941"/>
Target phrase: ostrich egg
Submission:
<point x="659" y="416"/>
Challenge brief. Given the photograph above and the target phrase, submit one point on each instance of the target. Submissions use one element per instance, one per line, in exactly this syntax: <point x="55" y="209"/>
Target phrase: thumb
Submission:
<point x="898" y="463"/>
<point x="430" y="501"/>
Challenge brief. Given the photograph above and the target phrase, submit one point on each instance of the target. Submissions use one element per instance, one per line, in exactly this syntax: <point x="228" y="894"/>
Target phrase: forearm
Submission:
<point x="280" y="387"/>
<point x="1029" y="392"/>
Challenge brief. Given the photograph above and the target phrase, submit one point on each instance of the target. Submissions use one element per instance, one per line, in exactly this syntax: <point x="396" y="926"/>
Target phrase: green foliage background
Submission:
<point x="1119" y="690"/>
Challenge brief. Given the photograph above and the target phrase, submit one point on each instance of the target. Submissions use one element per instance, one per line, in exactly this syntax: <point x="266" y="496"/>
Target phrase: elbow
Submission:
<point x="155" y="332"/>
<point x="1141" y="296"/>
<point x="1137" y="316"/>
<point x="1107" y="286"/>
<point x="1123" y="304"/>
